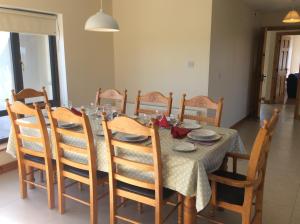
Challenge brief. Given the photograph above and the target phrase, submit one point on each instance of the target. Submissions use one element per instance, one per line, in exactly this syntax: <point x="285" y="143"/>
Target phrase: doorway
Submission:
<point x="280" y="67"/>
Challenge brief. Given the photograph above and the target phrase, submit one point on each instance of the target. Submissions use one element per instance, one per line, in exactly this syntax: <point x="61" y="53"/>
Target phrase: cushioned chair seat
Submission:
<point x="229" y="194"/>
<point x="36" y="159"/>
<point x="84" y="173"/>
<point x="167" y="193"/>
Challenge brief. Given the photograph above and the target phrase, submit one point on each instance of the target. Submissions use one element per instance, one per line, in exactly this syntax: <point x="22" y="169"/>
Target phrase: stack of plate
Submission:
<point x="131" y="138"/>
<point x="204" y="135"/>
<point x="190" y="125"/>
<point x="67" y="125"/>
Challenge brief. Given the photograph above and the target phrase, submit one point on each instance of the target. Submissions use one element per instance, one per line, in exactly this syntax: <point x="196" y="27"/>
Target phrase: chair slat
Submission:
<point x="32" y="152"/>
<point x="30" y="138"/>
<point x="71" y="148"/>
<point x="74" y="164"/>
<point x="132" y="164"/>
<point x="136" y="197"/>
<point x="134" y="182"/>
<point x="26" y="124"/>
<point x="75" y="177"/>
<point x="70" y="133"/>
<point x="130" y="146"/>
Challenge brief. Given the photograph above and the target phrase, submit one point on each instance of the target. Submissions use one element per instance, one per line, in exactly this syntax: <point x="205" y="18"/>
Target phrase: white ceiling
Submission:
<point x="273" y="5"/>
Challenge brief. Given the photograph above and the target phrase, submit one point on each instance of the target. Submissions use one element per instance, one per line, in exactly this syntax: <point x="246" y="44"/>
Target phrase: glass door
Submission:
<point x="7" y="81"/>
<point x="26" y="61"/>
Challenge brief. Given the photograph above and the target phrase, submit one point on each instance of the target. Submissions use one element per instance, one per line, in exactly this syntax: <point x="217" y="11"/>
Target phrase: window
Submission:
<point x="28" y="59"/>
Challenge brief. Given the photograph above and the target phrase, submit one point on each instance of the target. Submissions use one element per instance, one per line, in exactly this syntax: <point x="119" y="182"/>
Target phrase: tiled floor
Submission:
<point x="282" y="189"/>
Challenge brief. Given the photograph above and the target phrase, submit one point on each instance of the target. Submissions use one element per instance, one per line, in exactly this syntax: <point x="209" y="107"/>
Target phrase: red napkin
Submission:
<point x="75" y="111"/>
<point x="164" y="122"/>
<point x="179" y="132"/>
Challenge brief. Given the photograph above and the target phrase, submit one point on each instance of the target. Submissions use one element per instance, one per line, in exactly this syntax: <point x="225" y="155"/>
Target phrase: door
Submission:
<point x="282" y="68"/>
<point x="260" y="71"/>
<point x="26" y="61"/>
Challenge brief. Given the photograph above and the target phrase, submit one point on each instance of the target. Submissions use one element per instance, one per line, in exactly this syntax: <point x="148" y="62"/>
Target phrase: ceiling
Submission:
<point x="273" y="5"/>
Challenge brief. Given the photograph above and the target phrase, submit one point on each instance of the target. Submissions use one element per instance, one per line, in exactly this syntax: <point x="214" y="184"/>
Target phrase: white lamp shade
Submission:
<point x="292" y="17"/>
<point x="102" y="22"/>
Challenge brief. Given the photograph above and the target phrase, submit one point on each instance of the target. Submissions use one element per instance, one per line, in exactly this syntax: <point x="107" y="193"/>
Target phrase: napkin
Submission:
<point x="75" y="111"/>
<point x="179" y="132"/>
<point x="164" y="122"/>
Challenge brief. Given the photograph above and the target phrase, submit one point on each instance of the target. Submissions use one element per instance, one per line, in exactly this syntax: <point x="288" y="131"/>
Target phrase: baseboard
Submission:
<point x="8" y="167"/>
<point x="240" y="121"/>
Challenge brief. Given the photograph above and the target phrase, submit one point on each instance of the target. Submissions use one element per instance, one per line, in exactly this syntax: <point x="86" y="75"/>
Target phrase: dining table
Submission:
<point x="183" y="172"/>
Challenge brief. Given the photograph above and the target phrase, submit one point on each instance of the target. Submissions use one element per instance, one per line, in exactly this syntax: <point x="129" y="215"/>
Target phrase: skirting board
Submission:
<point x="239" y="122"/>
<point x="8" y="167"/>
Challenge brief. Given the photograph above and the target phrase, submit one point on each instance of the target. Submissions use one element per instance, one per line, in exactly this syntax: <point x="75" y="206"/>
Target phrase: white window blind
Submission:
<point x="18" y="21"/>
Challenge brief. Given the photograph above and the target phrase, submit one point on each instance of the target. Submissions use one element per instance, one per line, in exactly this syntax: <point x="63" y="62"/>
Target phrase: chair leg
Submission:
<point x="50" y="188"/>
<point x="22" y="177"/>
<point x="60" y="192"/>
<point x="180" y="208"/>
<point x="41" y="176"/>
<point x="80" y="186"/>
<point x="93" y="205"/>
<point x="29" y="169"/>
<point x="246" y="218"/>
<point x="158" y="219"/>
<point x="140" y="208"/>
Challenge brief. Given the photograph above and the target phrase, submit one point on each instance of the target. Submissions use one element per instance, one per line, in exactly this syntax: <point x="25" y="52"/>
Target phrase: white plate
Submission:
<point x="213" y="139"/>
<point x="190" y="125"/>
<point x="68" y="125"/>
<point x="203" y="133"/>
<point x="101" y="133"/>
<point x="184" y="147"/>
<point x="132" y="138"/>
<point x="134" y="117"/>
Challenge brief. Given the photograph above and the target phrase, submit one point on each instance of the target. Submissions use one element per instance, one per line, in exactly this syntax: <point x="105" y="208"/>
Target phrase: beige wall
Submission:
<point x="234" y="28"/>
<point x="163" y="45"/>
<point x="89" y="55"/>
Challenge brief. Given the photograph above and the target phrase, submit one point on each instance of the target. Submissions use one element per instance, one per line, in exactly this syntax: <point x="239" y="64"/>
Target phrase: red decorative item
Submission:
<point x="164" y="122"/>
<point x="179" y="132"/>
<point x="75" y="111"/>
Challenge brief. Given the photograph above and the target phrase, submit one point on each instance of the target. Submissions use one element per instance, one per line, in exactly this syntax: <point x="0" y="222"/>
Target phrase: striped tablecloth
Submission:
<point x="185" y="173"/>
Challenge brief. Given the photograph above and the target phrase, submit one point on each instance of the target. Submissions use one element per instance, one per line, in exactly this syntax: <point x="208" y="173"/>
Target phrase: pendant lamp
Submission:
<point x="102" y="22"/>
<point x="292" y="17"/>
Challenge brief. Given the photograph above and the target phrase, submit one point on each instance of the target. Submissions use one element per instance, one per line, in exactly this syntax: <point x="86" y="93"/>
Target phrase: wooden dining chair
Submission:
<point x="29" y="159"/>
<point x="85" y="173"/>
<point x="31" y="93"/>
<point x="112" y="94"/>
<point x="237" y="192"/>
<point x="126" y="186"/>
<point x="202" y="102"/>
<point x="153" y="99"/>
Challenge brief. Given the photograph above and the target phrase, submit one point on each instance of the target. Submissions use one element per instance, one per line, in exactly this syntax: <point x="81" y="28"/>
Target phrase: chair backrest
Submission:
<point x="273" y="122"/>
<point x="112" y="94"/>
<point x="31" y="93"/>
<point x="258" y="157"/>
<point x="119" y="160"/>
<point x="64" y="148"/>
<point x="36" y="125"/>
<point x="153" y="98"/>
<point x="202" y="102"/>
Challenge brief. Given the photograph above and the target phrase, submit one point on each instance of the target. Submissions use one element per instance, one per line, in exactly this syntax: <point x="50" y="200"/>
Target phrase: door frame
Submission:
<point x="260" y="64"/>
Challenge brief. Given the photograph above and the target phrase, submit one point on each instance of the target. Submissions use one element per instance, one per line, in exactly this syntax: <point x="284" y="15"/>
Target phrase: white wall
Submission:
<point x="234" y="28"/>
<point x="295" y="63"/>
<point x="163" y="46"/>
<point x="89" y="55"/>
